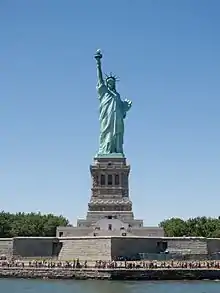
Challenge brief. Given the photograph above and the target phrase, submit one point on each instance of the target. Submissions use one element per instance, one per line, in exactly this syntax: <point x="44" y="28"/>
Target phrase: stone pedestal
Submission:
<point x="110" y="193"/>
<point x="110" y="207"/>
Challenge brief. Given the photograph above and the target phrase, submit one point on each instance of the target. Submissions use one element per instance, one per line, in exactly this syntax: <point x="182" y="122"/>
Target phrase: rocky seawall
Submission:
<point x="110" y="274"/>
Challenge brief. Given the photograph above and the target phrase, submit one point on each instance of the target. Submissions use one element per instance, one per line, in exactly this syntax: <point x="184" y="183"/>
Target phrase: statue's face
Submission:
<point x="111" y="84"/>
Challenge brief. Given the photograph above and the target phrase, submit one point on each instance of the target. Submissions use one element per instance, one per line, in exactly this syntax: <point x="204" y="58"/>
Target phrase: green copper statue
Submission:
<point x="112" y="113"/>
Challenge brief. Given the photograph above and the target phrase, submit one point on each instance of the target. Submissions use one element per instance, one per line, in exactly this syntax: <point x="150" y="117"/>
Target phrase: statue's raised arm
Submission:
<point x="98" y="57"/>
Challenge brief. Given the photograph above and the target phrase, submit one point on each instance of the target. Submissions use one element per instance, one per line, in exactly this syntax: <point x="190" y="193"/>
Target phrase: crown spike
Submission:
<point x="111" y="76"/>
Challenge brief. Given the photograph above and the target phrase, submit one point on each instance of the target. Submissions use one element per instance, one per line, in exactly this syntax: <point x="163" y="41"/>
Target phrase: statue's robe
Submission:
<point x="112" y="113"/>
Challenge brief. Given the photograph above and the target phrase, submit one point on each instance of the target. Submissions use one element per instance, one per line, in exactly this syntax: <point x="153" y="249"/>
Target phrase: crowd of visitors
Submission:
<point x="159" y="264"/>
<point x="42" y="264"/>
<point x="76" y="264"/>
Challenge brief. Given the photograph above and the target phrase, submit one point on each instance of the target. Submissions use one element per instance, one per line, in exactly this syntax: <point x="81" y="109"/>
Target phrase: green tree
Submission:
<point x="174" y="227"/>
<point x="5" y="224"/>
<point x="198" y="227"/>
<point x="30" y="224"/>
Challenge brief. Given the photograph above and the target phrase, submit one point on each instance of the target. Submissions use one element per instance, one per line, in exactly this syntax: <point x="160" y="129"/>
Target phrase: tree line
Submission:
<point x="199" y="226"/>
<point x="37" y="224"/>
<point x="29" y="224"/>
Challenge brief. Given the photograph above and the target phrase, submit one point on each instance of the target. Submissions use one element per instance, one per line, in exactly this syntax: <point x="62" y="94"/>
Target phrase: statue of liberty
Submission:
<point x="112" y="113"/>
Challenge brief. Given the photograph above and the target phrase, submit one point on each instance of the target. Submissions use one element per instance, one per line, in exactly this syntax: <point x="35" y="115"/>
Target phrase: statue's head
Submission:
<point x="111" y="81"/>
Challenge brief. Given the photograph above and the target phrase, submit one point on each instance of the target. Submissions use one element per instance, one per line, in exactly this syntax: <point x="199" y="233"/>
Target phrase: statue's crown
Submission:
<point x="111" y="76"/>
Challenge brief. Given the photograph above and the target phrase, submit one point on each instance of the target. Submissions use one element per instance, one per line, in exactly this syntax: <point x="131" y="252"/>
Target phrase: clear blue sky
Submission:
<point x="167" y="56"/>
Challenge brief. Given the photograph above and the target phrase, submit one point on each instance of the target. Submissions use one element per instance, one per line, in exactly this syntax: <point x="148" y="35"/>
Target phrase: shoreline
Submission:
<point x="110" y="274"/>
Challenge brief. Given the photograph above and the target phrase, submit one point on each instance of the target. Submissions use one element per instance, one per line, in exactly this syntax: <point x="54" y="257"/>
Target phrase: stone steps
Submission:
<point x="86" y="249"/>
<point x="192" y="246"/>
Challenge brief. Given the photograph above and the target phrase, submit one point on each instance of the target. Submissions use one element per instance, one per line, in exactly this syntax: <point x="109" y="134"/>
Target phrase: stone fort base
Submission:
<point x="105" y="248"/>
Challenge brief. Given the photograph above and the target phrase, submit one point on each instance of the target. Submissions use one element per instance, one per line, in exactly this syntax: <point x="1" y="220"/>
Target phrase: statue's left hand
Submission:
<point x="128" y="102"/>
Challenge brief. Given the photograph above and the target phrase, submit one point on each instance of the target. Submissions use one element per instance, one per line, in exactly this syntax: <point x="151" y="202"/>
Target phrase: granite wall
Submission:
<point x="131" y="246"/>
<point x="110" y="274"/>
<point x="69" y="231"/>
<point x="213" y="245"/>
<point x="6" y="246"/>
<point x="35" y="247"/>
<point x="148" y="231"/>
<point x="187" y="245"/>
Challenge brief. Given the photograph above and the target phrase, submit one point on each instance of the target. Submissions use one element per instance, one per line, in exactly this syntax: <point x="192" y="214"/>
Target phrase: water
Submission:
<point x="45" y="286"/>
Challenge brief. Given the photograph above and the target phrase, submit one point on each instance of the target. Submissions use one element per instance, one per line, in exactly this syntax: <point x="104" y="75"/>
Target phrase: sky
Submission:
<point x="166" y="54"/>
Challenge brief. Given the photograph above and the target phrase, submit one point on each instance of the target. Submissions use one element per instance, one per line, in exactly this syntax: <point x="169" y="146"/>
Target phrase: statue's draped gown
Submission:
<point x="112" y="113"/>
